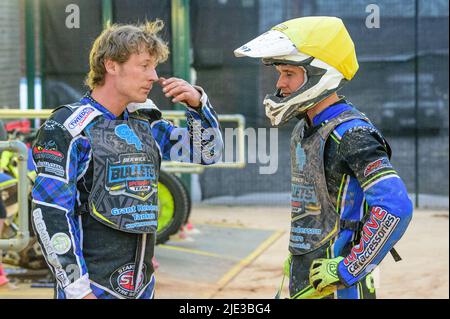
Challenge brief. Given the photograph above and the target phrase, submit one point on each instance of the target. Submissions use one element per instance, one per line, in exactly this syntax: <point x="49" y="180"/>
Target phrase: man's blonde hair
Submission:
<point x="117" y="42"/>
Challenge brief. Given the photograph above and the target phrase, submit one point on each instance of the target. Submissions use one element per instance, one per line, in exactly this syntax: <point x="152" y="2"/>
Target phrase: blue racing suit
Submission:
<point x="107" y="252"/>
<point x="367" y="201"/>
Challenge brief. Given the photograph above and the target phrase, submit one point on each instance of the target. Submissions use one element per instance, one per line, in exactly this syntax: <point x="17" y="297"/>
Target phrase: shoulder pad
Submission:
<point x="81" y="116"/>
<point x="62" y="112"/>
<point x="361" y="126"/>
<point x="71" y="107"/>
<point x="148" y="110"/>
<point x="351" y="125"/>
<point x="147" y="105"/>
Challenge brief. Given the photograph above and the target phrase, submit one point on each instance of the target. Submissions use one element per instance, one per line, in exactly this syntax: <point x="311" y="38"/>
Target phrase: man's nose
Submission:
<point x="280" y="83"/>
<point x="153" y="76"/>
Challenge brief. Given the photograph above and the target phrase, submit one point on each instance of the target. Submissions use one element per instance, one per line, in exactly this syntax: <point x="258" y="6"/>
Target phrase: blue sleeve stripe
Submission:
<point x="216" y="126"/>
<point x="86" y="152"/>
<point x="212" y="119"/>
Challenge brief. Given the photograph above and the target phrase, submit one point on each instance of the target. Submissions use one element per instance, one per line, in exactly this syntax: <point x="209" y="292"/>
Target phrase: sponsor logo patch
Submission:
<point x="126" y="133"/>
<point x="81" y="117"/>
<point x="376" y="166"/>
<point x="48" y="151"/>
<point x="52" y="258"/>
<point x="122" y="280"/>
<point x="51" y="125"/>
<point x="304" y="193"/>
<point x="332" y="269"/>
<point x="245" y="48"/>
<point x="51" y="168"/>
<point x="132" y="175"/>
<point x="375" y="233"/>
<point x="304" y="200"/>
<point x="61" y="243"/>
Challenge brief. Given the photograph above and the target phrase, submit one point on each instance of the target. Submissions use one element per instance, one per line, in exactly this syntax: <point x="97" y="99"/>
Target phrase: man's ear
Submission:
<point x="110" y="66"/>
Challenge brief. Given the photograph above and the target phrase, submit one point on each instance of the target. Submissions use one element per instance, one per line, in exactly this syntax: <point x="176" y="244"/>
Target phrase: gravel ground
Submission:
<point x="423" y="272"/>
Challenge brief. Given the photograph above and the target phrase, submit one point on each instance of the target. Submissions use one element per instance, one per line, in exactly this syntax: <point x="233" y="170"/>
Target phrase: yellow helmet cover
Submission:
<point x="325" y="38"/>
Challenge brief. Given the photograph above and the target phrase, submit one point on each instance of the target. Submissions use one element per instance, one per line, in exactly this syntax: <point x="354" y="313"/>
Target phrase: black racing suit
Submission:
<point x="347" y="200"/>
<point x="95" y="196"/>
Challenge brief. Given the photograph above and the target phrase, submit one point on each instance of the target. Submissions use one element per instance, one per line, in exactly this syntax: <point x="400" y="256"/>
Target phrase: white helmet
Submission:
<point x="321" y="46"/>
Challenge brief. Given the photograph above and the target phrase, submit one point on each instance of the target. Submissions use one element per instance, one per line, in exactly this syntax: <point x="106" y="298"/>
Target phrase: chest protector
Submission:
<point x="126" y="159"/>
<point x="126" y="163"/>
<point x="314" y="220"/>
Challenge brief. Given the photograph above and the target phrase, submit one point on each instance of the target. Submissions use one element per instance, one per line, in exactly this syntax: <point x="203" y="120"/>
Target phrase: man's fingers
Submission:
<point x="181" y="97"/>
<point x="181" y="91"/>
<point x="168" y="87"/>
<point x="176" y="90"/>
<point x="169" y="81"/>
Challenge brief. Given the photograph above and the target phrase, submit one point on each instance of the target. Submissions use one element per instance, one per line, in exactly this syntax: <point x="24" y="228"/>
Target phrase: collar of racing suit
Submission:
<point x="327" y="114"/>
<point x="87" y="98"/>
<point x="332" y="111"/>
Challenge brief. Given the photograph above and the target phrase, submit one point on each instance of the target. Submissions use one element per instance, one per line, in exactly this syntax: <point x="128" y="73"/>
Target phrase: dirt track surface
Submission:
<point x="423" y="272"/>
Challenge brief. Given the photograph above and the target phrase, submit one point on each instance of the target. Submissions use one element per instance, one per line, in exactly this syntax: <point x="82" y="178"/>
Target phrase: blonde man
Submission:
<point x="95" y="203"/>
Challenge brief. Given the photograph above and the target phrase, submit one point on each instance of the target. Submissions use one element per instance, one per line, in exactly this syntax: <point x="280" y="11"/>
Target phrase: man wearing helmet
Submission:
<point x="349" y="206"/>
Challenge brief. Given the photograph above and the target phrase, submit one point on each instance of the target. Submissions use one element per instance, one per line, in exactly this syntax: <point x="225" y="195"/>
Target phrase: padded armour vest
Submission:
<point x="314" y="220"/>
<point x="126" y="159"/>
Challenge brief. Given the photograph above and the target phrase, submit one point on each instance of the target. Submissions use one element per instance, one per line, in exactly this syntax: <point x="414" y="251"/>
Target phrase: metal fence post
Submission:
<point x="23" y="234"/>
